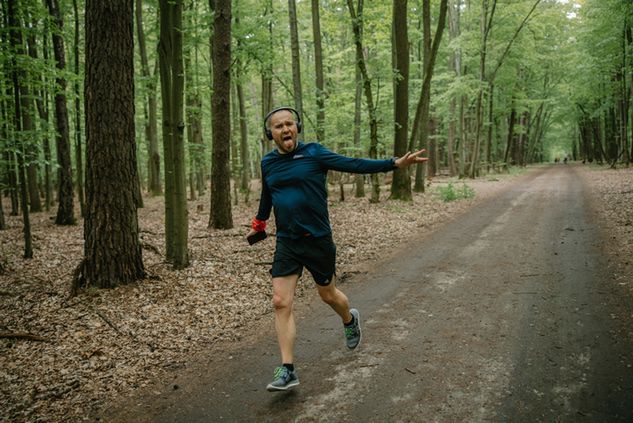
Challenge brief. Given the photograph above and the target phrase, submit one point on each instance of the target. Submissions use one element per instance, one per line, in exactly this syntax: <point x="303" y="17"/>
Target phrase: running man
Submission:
<point x="294" y="184"/>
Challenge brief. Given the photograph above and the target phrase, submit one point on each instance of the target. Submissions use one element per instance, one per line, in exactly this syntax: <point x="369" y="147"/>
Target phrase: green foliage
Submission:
<point x="450" y="193"/>
<point x="567" y="55"/>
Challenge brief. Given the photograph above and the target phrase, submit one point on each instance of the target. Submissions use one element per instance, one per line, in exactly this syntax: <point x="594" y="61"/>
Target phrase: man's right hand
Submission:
<point x="255" y="236"/>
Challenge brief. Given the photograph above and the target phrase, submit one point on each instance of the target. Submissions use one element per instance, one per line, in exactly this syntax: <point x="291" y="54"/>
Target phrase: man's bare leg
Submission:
<point x="283" y="296"/>
<point x="336" y="299"/>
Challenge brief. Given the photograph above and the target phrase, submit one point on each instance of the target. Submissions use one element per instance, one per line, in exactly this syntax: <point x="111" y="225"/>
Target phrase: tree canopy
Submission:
<point x="510" y="82"/>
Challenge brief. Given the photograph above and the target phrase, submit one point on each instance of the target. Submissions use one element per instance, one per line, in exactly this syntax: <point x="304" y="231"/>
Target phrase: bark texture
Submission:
<point x="112" y="251"/>
<point x="401" y="185"/>
<point x="221" y="217"/>
<point x="172" y="89"/>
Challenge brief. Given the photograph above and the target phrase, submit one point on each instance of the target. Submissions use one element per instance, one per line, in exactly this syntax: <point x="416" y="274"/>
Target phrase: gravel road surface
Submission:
<point x="508" y="313"/>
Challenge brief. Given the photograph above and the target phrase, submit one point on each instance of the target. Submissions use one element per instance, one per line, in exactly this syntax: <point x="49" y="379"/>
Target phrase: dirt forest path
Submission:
<point x="505" y="314"/>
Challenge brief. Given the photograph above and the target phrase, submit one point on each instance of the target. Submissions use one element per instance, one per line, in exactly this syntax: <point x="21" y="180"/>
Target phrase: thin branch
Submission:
<point x="489" y="24"/>
<point x="105" y="319"/>
<point x="22" y="335"/>
<point x="516" y="34"/>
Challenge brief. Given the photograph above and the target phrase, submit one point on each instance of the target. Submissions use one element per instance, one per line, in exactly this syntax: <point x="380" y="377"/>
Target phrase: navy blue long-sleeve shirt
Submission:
<point x="295" y="185"/>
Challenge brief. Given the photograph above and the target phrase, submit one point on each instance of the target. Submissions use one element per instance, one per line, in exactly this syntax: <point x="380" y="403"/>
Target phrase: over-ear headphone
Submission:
<point x="268" y="132"/>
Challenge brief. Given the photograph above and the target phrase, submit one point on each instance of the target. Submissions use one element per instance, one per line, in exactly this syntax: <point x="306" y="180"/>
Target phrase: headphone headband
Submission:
<point x="267" y="130"/>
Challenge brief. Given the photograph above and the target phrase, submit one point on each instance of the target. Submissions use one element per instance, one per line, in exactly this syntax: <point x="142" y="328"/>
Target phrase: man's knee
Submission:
<point x="281" y="301"/>
<point x="328" y="295"/>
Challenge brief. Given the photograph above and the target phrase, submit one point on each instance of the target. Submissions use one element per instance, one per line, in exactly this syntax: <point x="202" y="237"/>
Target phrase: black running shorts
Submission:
<point x="317" y="254"/>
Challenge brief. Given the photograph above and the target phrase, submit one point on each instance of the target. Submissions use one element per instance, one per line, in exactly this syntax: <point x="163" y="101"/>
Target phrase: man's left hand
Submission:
<point x="410" y="158"/>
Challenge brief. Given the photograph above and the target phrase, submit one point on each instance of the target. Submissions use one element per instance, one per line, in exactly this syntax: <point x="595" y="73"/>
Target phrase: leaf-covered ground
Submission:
<point x="612" y="191"/>
<point x="102" y="344"/>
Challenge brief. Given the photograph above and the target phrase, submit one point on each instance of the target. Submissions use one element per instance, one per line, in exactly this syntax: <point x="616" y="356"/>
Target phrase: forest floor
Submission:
<point x="101" y="346"/>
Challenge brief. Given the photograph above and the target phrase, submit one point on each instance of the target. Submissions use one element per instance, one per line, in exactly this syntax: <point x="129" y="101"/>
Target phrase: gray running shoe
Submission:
<point x="284" y="379"/>
<point x="352" y="332"/>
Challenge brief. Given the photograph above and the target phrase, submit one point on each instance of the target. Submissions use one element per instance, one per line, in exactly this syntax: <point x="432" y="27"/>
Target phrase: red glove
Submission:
<point x="258" y="225"/>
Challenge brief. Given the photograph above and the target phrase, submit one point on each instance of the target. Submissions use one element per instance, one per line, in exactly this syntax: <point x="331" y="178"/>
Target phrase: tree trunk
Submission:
<point x="245" y="170"/>
<point x="5" y="170"/>
<point x="194" y="113"/>
<point x="523" y="121"/>
<point x="65" y="212"/>
<point x="491" y="92"/>
<point x="623" y="103"/>
<point x="245" y="174"/>
<point x="373" y="120"/>
<point x="359" y="180"/>
<point x="434" y="151"/>
<point x="151" y="125"/>
<point x="12" y="182"/>
<point x="455" y="65"/>
<point x="267" y="76"/>
<point x="401" y="183"/>
<point x="510" y="138"/>
<point x="234" y="154"/>
<point x="611" y="136"/>
<point x="221" y="217"/>
<point x="421" y="122"/>
<point x="318" y="64"/>
<point x="30" y="148"/>
<point x="534" y="138"/>
<point x="586" y="133"/>
<point x="267" y="105"/>
<point x="190" y="112"/>
<point x="112" y="251"/>
<point x="3" y="224"/>
<point x="596" y="139"/>
<point x="22" y="179"/>
<point x="451" y="137"/>
<point x="172" y="90"/>
<point x="235" y="133"/>
<point x="15" y="36"/>
<point x="196" y="147"/>
<point x="296" y="65"/>
<point x="32" y="151"/>
<point x="78" y="144"/>
<point x="485" y="27"/>
<point x="43" y="111"/>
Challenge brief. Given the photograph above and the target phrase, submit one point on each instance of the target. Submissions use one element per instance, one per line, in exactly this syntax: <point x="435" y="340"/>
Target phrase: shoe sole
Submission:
<point x="357" y="316"/>
<point x="290" y="385"/>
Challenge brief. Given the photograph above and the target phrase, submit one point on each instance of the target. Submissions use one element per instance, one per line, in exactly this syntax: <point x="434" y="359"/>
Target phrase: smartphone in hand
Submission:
<point x="256" y="237"/>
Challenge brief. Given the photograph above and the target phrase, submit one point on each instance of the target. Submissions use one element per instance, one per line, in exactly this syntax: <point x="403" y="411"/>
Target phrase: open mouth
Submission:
<point x="287" y="138"/>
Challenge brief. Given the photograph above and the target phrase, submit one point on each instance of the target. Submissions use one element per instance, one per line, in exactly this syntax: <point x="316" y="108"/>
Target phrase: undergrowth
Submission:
<point x="452" y="193"/>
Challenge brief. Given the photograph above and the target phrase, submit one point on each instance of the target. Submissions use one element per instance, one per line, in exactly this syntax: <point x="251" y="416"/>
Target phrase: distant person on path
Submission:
<point x="294" y="184"/>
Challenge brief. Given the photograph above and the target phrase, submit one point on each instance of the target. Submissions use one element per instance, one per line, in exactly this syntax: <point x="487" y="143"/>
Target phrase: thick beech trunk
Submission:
<point x="221" y="216"/>
<point x="401" y="183"/>
<point x="112" y="250"/>
<point x="172" y="90"/>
